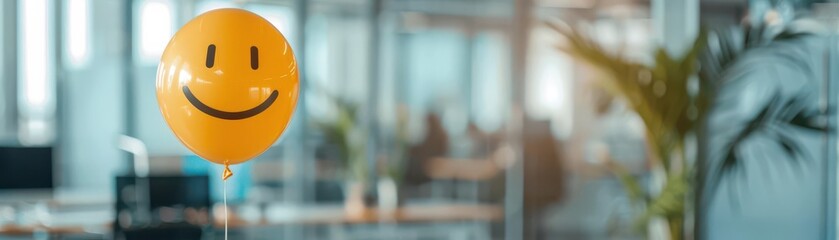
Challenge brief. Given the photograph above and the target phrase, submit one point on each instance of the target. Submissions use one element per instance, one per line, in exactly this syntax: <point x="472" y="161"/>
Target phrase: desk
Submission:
<point x="335" y="214"/>
<point x="312" y="215"/>
<point x="59" y="212"/>
<point x="426" y="221"/>
<point x="15" y="230"/>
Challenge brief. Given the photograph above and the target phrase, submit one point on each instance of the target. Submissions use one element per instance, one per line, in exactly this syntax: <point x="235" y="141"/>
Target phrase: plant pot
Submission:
<point x="354" y="205"/>
<point x="658" y="229"/>
<point x="388" y="197"/>
<point x="670" y="228"/>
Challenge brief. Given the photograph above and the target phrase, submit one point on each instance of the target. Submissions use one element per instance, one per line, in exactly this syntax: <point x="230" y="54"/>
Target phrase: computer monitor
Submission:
<point x="144" y="196"/>
<point x="167" y="191"/>
<point x="26" y="168"/>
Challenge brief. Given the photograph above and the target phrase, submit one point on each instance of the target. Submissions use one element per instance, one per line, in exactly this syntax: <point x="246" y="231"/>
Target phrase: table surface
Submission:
<point x="314" y="215"/>
<point x="337" y="214"/>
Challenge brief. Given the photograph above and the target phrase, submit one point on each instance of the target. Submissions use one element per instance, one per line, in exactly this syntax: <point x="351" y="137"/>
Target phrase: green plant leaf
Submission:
<point x="660" y="94"/>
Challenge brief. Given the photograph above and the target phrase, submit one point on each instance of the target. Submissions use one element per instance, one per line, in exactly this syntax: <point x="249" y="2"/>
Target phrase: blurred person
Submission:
<point x="434" y="144"/>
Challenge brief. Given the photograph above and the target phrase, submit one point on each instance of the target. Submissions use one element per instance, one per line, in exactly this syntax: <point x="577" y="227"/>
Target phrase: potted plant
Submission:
<point x="392" y="164"/>
<point x="344" y="131"/>
<point x="659" y="93"/>
<point x="673" y="112"/>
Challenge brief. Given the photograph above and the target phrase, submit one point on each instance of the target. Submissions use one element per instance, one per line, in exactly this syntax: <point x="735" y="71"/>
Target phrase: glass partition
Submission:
<point x="431" y="119"/>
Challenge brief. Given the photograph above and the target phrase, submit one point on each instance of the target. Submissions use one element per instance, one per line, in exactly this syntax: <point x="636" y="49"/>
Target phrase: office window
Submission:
<point x="282" y="17"/>
<point x="35" y="74"/>
<point x="156" y="26"/>
<point x="333" y="68"/>
<point x="549" y="84"/>
<point x="490" y="85"/>
<point x="434" y="70"/>
<point x="77" y="32"/>
<point x="205" y="6"/>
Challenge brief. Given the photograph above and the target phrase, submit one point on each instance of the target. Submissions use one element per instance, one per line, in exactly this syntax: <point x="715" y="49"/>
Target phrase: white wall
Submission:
<point x="7" y="79"/>
<point x="3" y="115"/>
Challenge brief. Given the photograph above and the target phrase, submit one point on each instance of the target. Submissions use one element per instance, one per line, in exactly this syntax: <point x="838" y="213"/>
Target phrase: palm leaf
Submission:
<point x="660" y="94"/>
<point x="671" y="201"/>
<point x="725" y="47"/>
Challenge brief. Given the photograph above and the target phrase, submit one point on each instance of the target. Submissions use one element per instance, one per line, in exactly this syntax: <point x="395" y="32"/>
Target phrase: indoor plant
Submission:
<point x="674" y="107"/>
<point x="392" y="164"/>
<point x="660" y="94"/>
<point x="343" y="130"/>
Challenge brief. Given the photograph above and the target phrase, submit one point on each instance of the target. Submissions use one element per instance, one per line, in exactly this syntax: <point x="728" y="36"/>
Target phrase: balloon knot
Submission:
<point x="227" y="173"/>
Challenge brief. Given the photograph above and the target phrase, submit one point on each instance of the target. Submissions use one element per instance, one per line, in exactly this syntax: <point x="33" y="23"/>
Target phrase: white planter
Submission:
<point x="388" y="196"/>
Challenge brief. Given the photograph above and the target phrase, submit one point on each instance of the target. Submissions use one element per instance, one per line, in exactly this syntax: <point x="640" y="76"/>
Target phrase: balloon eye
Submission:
<point x="254" y="58"/>
<point x="211" y="55"/>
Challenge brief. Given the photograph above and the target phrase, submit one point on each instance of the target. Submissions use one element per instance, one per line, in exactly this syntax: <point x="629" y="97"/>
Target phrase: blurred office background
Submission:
<point x="466" y="122"/>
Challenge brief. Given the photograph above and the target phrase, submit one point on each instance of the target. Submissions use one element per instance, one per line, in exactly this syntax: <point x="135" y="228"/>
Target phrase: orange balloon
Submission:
<point x="227" y="85"/>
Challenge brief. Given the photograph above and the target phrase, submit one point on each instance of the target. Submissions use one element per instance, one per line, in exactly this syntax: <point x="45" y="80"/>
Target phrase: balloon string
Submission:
<point x="224" y="176"/>
<point x="225" y="210"/>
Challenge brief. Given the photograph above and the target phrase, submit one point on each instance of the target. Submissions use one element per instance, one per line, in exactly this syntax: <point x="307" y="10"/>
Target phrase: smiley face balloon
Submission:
<point x="227" y="85"/>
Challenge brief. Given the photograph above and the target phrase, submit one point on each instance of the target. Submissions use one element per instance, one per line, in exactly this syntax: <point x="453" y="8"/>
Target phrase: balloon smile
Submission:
<point x="230" y="115"/>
